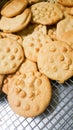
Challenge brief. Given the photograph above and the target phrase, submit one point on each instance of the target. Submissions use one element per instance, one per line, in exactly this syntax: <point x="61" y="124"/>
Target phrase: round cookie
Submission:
<point x="13" y="8"/>
<point x="57" y="61"/>
<point x="33" y="43"/>
<point x="11" y="55"/>
<point x="12" y="36"/>
<point x="27" y="66"/>
<point x="45" y="13"/>
<point x="16" y="23"/>
<point x="29" y="91"/>
<point x="64" y="26"/>
<point x="66" y="2"/>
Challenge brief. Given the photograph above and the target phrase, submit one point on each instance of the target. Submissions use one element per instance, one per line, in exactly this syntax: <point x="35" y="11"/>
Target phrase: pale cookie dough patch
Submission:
<point x="45" y="13"/>
<point x="33" y="43"/>
<point x="16" y="23"/>
<point x="64" y="26"/>
<point x="29" y="94"/>
<point x="57" y="61"/>
<point x="13" y="8"/>
<point x="11" y="55"/>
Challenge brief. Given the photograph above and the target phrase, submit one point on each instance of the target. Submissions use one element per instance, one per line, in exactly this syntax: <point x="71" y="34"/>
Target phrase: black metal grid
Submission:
<point x="58" y="115"/>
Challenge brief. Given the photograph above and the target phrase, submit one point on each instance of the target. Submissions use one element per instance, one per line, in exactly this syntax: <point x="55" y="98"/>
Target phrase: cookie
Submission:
<point x="64" y="26"/>
<point x="27" y="66"/>
<point x="30" y="89"/>
<point x="68" y="37"/>
<point x="33" y="43"/>
<point x="12" y="36"/>
<point x="45" y="13"/>
<point x="13" y="8"/>
<point x="1" y="81"/>
<point x="11" y="55"/>
<point x="31" y="28"/>
<point x="57" y="61"/>
<point x="16" y="23"/>
<point x="66" y="2"/>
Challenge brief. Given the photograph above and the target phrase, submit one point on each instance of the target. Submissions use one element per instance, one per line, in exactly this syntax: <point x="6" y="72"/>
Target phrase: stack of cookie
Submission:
<point x="36" y="45"/>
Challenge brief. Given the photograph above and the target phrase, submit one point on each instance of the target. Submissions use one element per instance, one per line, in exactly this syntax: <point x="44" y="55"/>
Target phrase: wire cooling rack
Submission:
<point x="58" y="115"/>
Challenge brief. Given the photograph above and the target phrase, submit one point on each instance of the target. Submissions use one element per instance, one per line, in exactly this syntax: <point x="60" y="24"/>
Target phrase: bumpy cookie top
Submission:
<point x="29" y="90"/>
<point x="11" y="55"/>
<point x="57" y="61"/>
<point x="45" y="13"/>
<point x="32" y="44"/>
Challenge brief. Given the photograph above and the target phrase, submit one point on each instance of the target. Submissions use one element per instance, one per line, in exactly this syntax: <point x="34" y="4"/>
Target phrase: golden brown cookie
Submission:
<point x="57" y="61"/>
<point x="13" y="8"/>
<point x="32" y="44"/>
<point x="16" y="23"/>
<point x="64" y="26"/>
<point x="27" y="95"/>
<point x="45" y="13"/>
<point x="66" y="2"/>
<point x="11" y="55"/>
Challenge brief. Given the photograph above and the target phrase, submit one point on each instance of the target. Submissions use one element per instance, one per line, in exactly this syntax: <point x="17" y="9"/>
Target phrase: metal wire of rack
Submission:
<point x="58" y="115"/>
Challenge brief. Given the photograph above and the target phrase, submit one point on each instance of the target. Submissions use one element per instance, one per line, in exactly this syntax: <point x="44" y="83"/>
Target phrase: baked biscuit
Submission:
<point x="16" y="23"/>
<point x="11" y="55"/>
<point x="13" y="8"/>
<point x="57" y="61"/>
<point x="45" y="13"/>
<point x="64" y="26"/>
<point x="29" y="89"/>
